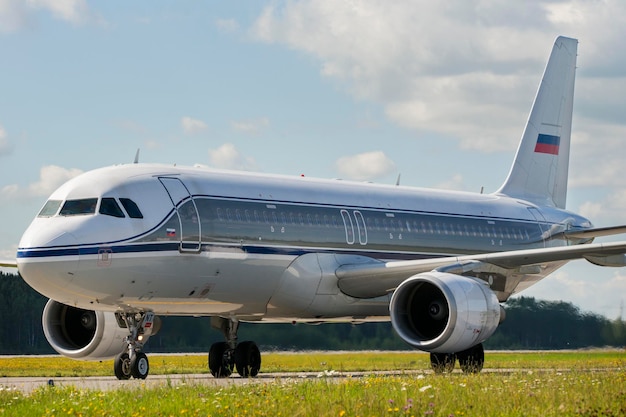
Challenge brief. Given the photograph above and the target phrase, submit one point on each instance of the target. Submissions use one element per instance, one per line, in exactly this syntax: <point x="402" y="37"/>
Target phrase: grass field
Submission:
<point x="586" y="383"/>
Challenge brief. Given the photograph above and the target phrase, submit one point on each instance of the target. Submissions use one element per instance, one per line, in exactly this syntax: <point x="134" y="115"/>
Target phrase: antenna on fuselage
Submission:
<point x="136" y="161"/>
<point x="398" y="180"/>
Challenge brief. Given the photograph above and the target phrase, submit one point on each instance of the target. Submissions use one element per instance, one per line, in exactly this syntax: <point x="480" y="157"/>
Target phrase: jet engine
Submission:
<point x="442" y="312"/>
<point x="83" y="334"/>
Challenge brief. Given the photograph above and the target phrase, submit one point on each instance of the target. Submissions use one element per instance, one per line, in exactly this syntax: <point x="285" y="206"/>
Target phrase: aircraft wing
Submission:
<point x="8" y="264"/>
<point x="376" y="278"/>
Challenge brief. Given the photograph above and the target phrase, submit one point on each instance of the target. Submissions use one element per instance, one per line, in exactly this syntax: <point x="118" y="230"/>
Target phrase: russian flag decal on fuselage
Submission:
<point x="547" y="144"/>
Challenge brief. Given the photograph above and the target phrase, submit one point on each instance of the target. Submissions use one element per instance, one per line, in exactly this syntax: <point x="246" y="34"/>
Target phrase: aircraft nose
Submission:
<point x="47" y="259"/>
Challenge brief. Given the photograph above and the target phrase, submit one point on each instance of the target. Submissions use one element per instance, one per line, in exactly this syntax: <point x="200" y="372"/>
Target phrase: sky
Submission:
<point x="437" y="92"/>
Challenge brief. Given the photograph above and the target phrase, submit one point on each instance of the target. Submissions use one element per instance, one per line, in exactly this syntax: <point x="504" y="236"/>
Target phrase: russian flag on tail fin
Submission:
<point x="540" y="169"/>
<point x="547" y="144"/>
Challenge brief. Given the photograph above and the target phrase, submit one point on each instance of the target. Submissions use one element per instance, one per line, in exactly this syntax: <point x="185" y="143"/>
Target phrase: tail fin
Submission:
<point x="539" y="171"/>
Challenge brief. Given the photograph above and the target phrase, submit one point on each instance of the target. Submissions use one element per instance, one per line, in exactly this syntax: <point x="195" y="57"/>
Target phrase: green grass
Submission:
<point x="587" y="383"/>
<point x="518" y="394"/>
<point x="57" y="366"/>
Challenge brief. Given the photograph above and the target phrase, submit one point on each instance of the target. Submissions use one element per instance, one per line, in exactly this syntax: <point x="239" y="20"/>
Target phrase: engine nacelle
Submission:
<point x="441" y="312"/>
<point x="82" y="334"/>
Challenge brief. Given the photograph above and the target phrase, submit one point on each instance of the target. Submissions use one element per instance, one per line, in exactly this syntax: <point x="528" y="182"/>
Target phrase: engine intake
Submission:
<point x="82" y="334"/>
<point x="441" y="312"/>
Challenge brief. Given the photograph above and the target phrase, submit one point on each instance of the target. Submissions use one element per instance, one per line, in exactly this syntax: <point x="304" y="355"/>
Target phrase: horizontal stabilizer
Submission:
<point x="596" y="232"/>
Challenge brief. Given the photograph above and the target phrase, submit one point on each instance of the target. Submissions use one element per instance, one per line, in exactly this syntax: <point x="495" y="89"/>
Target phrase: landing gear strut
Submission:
<point x="470" y="360"/>
<point x="245" y="357"/>
<point x="132" y="361"/>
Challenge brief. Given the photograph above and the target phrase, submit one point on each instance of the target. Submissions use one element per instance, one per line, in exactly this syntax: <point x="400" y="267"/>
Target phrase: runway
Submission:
<point x="106" y="383"/>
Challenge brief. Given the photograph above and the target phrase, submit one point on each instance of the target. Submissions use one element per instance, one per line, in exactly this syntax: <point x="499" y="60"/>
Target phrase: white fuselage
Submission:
<point x="208" y="242"/>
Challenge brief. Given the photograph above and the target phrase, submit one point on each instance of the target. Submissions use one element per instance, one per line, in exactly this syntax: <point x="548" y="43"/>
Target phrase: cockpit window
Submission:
<point x="131" y="208"/>
<point x="50" y="208"/>
<point x="77" y="207"/>
<point x="110" y="207"/>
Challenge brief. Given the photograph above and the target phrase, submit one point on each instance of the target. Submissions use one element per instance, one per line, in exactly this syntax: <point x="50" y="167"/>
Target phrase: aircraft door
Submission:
<point x="349" y="226"/>
<point x="186" y="212"/>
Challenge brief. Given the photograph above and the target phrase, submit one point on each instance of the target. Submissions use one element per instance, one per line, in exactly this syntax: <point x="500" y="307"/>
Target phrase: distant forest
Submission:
<point x="529" y="324"/>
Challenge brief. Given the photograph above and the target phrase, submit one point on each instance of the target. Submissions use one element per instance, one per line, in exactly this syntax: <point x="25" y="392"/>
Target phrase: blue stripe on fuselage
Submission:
<point x="249" y="249"/>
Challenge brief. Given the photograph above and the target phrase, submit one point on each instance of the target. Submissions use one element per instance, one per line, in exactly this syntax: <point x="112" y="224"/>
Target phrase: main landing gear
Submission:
<point x="245" y="357"/>
<point x="470" y="360"/>
<point x="132" y="361"/>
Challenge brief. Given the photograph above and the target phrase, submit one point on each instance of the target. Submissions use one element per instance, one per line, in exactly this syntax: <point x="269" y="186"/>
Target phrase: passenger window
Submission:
<point x="109" y="207"/>
<point x="79" y="207"/>
<point x="131" y="208"/>
<point x="50" y="208"/>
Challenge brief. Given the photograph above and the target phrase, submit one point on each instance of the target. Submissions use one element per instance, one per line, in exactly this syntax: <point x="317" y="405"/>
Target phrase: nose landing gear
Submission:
<point x="132" y="361"/>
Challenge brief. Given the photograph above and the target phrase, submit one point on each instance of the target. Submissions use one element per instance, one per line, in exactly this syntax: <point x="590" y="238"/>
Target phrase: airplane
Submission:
<point x="116" y="247"/>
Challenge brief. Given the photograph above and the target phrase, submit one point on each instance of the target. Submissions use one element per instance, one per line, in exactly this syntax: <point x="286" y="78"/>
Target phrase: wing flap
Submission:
<point x="373" y="279"/>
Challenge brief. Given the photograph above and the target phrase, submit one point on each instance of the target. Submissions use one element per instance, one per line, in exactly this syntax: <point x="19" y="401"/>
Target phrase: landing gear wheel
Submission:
<point x="220" y="360"/>
<point x="121" y="366"/>
<point x="472" y="359"/>
<point x="442" y="362"/>
<point x="139" y="366"/>
<point x="247" y="359"/>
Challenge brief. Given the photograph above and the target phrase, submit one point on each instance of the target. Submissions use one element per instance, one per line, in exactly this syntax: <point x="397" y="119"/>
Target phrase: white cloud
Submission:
<point x="580" y="284"/>
<point x="454" y="183"/>
<point x="17" y="14"/>
<point x="13" y="15"/>
<point x="607" y="211"/>
<point x="191" y="126"/>
<point x="227" y="25"/>
<point x="365" y="166"/>
<point x="228" y="157"/>
<point x="10" y="191"/>
<point x="51" y="177"/>
<point x="5" y="145"/>
<point x="590" y="209"/>
<point x="74" y="11"/>
<point x="465" y="69"/>
<point x="152" y="144"/>
<point x="251" y="126"/>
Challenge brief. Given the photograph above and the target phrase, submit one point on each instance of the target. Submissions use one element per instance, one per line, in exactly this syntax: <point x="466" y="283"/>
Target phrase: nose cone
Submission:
<point x="46" y="233"/>
<point x="47" y="257"/>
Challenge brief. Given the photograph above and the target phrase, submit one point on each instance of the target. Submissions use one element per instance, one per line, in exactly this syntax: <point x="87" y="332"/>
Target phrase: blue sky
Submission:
<point x="365" y="90"/>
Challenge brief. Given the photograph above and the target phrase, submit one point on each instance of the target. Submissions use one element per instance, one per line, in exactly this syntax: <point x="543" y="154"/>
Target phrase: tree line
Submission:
<point x="529" y="324"/>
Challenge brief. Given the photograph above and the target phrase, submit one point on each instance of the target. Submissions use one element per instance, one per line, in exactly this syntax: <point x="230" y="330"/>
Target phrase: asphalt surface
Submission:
<point x="106" y="383"/>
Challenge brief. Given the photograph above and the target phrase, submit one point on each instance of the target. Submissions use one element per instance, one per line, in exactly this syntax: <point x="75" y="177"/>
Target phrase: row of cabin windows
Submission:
<point x="84" y="206"/>
<point x="374" y="224"/>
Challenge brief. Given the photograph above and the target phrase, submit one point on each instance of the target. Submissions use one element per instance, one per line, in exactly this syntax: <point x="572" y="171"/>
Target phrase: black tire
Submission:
<point x="220" y="361"/>
<point x="442" y="362"/>
<point x="248" y="359"/>
<point x="121" y="366"/>
<point x="139" y="366"/>
<point x="472" y="359"/>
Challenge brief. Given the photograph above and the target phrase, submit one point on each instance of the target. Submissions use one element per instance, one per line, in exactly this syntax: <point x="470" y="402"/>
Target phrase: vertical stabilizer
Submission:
<point x="539" y="171"/>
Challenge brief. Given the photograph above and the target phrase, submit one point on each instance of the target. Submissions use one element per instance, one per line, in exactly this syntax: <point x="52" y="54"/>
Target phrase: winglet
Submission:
<point x="540" y="169"/>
